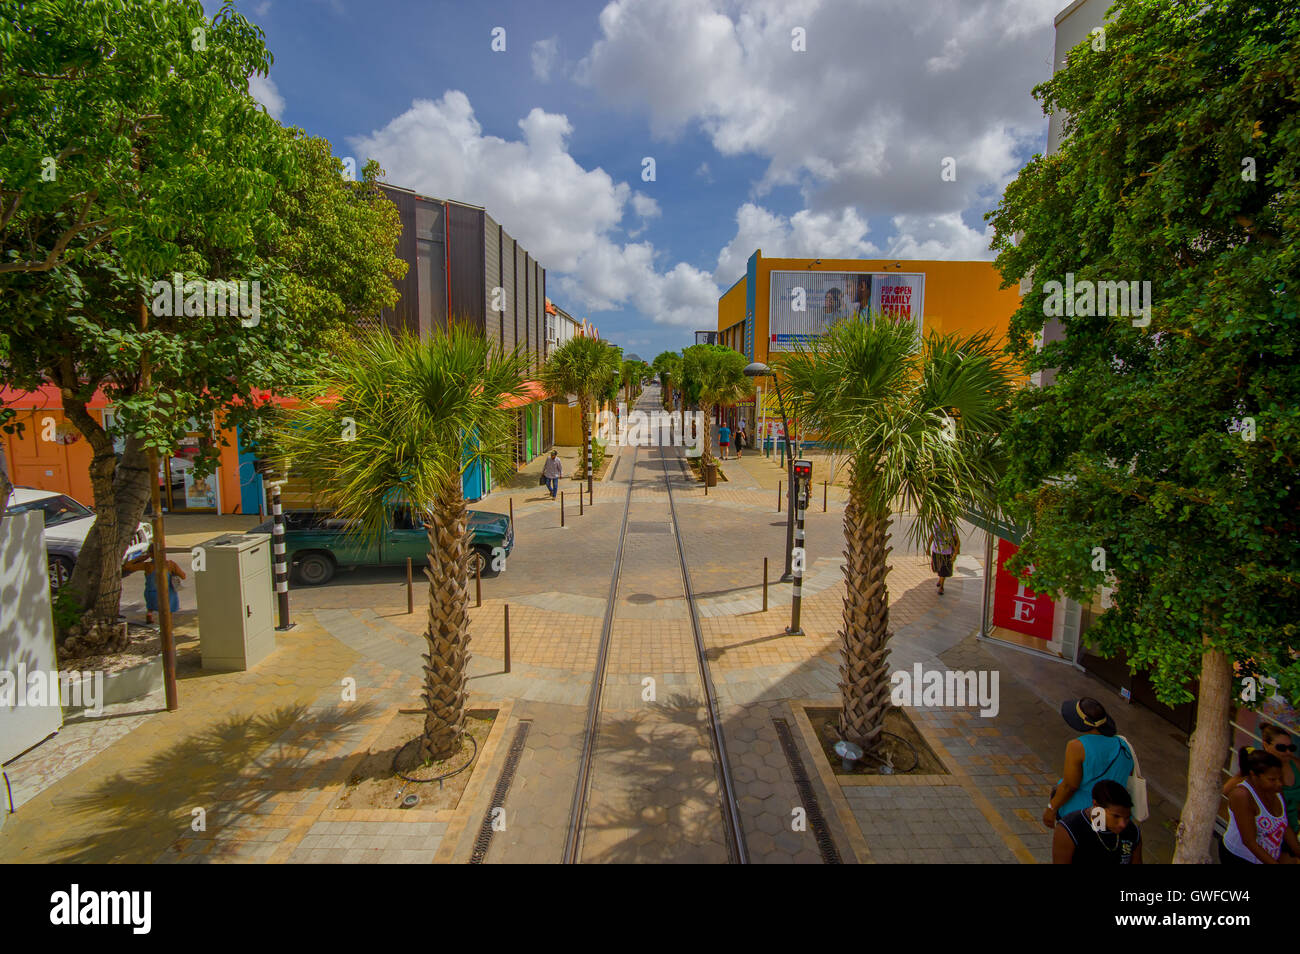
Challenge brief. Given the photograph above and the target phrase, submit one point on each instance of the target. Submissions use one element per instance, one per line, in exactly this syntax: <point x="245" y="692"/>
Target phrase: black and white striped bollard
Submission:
<point x="281" y="574"/>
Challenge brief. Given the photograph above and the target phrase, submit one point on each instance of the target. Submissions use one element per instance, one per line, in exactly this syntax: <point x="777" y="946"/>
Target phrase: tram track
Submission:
<point x="710" y="735"/>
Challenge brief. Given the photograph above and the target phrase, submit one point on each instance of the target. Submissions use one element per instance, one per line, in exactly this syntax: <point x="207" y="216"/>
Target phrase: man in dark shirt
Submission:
<point x="1104" y="834"/>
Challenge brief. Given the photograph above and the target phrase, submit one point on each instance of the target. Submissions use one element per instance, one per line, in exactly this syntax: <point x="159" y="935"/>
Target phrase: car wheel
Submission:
<point x="60" y="568"/>
<point x="315" y="569"/>
<point x="480" y="560"/>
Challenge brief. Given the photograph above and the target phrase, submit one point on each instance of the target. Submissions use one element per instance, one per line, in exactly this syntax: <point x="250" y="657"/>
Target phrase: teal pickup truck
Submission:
<point x="317" y="543"/>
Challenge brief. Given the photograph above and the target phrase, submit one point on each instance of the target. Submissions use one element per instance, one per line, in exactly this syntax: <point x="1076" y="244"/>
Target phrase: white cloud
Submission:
<point x="263" y="89"/>
<point x="805" y="234"/>
<point x="859" y="124"/>
<point x="545" y="54"/>
<point x="565" y="215"/>
<point x="262" y="9"/>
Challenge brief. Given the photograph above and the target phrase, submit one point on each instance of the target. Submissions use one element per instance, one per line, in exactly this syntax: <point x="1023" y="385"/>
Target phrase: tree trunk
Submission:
<point x="865" y="685"/>
<point x="706" y="417"/>
<point x="584" y="406"/>
<point x="447" y="661"/>
<point x="1210" y="743"/>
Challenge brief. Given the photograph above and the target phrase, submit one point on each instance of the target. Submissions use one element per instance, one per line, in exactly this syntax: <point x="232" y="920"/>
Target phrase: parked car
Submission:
<point x="317" y="543"/>
<point x="66" y="525"/>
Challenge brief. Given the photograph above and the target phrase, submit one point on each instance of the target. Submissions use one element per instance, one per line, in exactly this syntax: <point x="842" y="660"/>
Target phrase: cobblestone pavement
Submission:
<point x="251" y="766"/>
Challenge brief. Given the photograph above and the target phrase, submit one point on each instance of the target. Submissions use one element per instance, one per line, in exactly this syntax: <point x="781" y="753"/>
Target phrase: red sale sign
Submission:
<point x="1015" y="605"/>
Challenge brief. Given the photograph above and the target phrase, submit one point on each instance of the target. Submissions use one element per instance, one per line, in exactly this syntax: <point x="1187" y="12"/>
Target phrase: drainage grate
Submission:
<point x="484" y="838"/>
<point x="646" y="526"/>
<point x="825" y="844"/>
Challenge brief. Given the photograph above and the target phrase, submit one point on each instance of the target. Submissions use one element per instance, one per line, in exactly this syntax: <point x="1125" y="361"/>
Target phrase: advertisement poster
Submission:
<point x="804" y="304"/>
<point x="200" y="492"/>
<point x="1015" y="606"/>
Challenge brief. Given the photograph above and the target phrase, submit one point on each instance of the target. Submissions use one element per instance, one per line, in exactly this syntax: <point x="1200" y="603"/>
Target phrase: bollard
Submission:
<point x="582" y="508"/>
<point x="778" y="496"/>
<point x="410" y="590"/>
<point x="512" y="513"/>
<point x="824" y="496"/>
<point x="478" y="582"/>
<point x="507" y="637"/>
<point x="281" y="574"/>
<point x="591" y="498"/>
<point x="764" y="584"/>
<point x="562" y="507"/>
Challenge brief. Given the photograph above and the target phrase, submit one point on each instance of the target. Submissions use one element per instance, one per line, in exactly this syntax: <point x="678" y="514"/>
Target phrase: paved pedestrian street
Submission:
<point x="252" y="765"/>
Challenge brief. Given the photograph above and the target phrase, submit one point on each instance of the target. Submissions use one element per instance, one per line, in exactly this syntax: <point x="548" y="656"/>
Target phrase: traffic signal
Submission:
<point x="803" y="470"/>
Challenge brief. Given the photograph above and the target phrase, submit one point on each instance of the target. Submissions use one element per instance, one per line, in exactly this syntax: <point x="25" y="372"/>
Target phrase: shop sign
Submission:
<point x="1015" y="606"/>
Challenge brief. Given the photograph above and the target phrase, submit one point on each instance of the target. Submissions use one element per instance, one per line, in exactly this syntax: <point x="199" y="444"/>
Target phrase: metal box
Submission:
<point x="234" y="593"/>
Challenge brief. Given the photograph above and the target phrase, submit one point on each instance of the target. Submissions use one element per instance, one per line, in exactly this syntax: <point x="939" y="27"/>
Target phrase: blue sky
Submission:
<point x="832" y="150"/>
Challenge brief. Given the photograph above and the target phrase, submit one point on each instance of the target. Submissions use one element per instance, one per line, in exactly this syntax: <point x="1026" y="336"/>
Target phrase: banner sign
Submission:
<point x="803" y="304"/>
<point x="1015" y="605"/>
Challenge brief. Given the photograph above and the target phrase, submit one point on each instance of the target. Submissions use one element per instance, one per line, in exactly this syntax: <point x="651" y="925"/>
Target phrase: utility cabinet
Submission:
<point x="234" y="593"/>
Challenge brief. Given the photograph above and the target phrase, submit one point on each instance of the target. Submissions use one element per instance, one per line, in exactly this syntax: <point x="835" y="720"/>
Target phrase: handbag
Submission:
<point x="541" y="481"/>
<point x="1137" y="786"/>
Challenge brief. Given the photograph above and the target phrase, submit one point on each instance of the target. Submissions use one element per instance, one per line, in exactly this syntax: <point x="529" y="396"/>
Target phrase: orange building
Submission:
<point x="50" y="454"/>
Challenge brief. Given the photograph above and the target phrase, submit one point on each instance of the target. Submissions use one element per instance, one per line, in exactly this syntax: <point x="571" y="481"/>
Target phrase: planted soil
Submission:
<point x="899" y="724"/>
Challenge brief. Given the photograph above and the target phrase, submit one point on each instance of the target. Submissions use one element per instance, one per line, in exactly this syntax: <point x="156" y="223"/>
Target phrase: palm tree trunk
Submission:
<point x="706" y="416"/>
<point x="447" y="661"/>
<point x="584" y="405"/>
<point x="865" y="685"/>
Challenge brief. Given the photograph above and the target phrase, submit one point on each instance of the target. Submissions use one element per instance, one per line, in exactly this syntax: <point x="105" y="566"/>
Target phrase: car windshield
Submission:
<point x="58" y="509"/>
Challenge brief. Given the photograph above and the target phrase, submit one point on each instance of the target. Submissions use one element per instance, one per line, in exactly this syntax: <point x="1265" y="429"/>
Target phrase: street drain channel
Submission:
<point x="825" y="844"/>
<point x="507" y="778"/>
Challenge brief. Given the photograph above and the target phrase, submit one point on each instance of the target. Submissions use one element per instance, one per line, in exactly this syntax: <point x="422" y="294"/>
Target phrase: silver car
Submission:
<point x="66" y="525"/>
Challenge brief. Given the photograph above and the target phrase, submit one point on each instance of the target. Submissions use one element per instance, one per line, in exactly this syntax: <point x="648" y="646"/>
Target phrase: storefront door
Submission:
<point x="181" y="490"/>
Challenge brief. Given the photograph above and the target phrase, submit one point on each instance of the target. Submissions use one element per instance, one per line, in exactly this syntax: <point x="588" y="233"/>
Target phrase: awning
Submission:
<point x="996" y="526"/>
<point x="533" y="392"/>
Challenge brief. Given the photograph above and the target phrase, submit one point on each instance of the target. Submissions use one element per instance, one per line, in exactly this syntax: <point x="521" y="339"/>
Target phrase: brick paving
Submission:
<point x="265" y="753"/>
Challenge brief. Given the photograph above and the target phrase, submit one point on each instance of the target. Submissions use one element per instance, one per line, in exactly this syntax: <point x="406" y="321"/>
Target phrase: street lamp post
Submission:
<point x="760" y="370"/>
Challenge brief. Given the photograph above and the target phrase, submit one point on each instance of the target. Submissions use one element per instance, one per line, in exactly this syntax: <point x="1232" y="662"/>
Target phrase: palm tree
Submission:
<point x="399" y="419"/>
<point x="668" y="365"/>
<point x="715" y="374"/>
<point x="587" y="367"/>
<point x="918" y="422"/>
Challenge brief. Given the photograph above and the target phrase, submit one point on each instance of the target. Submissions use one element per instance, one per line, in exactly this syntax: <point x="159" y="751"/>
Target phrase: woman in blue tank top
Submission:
<point x="1095" y="755"/>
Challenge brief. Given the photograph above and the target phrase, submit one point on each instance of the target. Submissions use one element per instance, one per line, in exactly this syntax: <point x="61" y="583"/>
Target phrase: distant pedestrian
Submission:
<point x="175" y="574"/>
<point x="1097" y="754"/>
<point x="945" y="544"/>
<point x="724" y="441"/>
<point x="1102" y="834"/>
<point x="1257" y="827"/>
<point x="552" y="471"/>
<point x="742" y="438"/>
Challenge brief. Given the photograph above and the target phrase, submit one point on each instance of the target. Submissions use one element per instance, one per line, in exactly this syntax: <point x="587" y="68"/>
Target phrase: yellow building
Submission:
<point x="779" y="301"/>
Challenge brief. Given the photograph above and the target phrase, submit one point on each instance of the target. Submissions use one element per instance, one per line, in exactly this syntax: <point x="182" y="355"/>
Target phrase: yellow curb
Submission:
<point x="465" y="808"/>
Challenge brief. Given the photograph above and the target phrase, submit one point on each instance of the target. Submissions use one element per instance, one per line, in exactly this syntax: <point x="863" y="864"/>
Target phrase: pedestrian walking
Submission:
<point x="945" y="544"/>
<point x="175" y="574"/>
<point x="552" y="471"/>
<point x="1257" y="828"/>
<point x="1095" y="755"/>
<point x="1277" y="741"/>
<point x="742" y="438"/>
<point x="724" y="441"/>
<point x="1102" y="834"/>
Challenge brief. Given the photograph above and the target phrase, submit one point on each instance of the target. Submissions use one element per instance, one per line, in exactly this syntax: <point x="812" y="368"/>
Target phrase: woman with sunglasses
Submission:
<point x="1279" y="743"/>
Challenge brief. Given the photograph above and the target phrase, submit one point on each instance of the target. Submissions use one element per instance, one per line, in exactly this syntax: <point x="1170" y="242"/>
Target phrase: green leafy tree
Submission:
<point x="420" y="413"/>
<point x="667" y="365"/>
<point x="714" y="375"/>
<point x="1163" y="454"/>
<point x="917" y="421"/>
<point x="589" y="368"/>
<point x="164" y="165"/>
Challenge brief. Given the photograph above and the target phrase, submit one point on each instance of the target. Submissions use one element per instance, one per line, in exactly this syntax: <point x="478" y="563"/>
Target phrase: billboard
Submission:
<point x="803" y="304"/>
